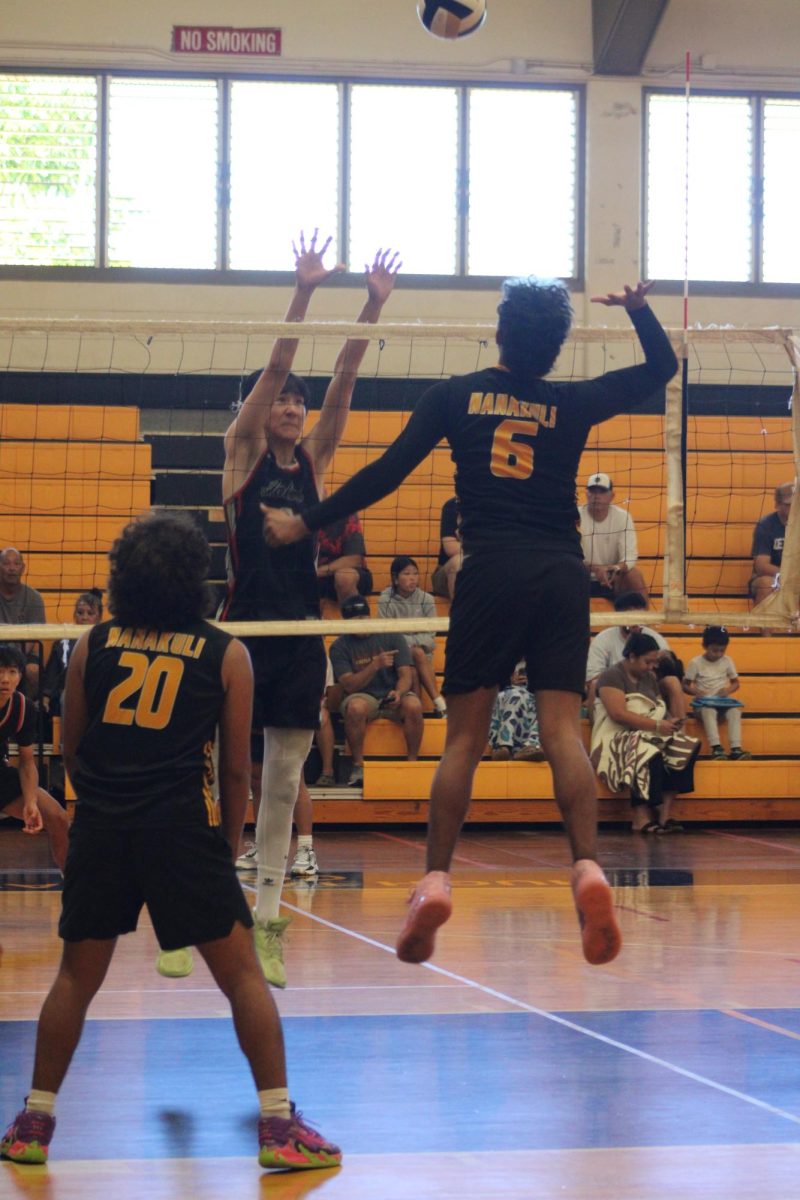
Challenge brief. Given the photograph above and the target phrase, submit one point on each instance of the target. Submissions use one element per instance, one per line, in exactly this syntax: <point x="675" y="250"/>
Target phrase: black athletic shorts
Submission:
<point x="289" y="681"/>
<point x="327" y="586"/>
<point x="518" y="604"/>
<point x="184" y="874"/>
<point x="10" y="786"/>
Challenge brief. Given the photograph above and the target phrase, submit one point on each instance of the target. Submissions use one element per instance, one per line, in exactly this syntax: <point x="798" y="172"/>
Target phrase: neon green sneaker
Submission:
<point x="27" y="1139"/>
<point x="269" y="949"/>
<point x="175" y="964"/>
<point x="292" y="1142"/>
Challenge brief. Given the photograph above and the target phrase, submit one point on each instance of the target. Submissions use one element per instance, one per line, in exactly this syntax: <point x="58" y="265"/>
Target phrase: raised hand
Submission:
<point x="630" y="298"/>
<point x="381" y="275"/>
<point x="309" y="268"/>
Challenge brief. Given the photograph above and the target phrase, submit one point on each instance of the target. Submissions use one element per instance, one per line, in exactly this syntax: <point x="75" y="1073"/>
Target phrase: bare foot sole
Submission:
<point x="429" y="907"/>
<point x="594" y="902"/>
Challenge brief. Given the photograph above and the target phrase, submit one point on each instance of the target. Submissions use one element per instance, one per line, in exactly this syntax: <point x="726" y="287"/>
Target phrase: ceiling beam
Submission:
<point x="622" y="31"/>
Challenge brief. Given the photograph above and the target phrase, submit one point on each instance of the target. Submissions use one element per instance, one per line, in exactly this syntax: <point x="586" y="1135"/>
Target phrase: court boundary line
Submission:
<point x="653" y="1059"/>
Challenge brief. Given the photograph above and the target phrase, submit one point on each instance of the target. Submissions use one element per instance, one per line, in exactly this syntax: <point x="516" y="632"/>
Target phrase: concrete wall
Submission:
<point x="741" y="44"/>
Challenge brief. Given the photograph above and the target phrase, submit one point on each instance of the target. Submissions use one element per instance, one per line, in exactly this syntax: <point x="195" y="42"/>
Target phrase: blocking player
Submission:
<point x="269" y="461"/>
<point x="522" y="592"/>
<point x="145" y="693"/>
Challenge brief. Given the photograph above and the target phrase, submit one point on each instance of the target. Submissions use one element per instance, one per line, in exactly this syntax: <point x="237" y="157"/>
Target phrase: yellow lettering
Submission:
<point x="150" y="640"/>
<point x="487" y="408"/>
<point x="524" y="408"/>
<point x="513" y="407"/>
<point x="199" y="647"/>
<point x="475" y="404"/>
<point x="178" y="643"/>
<point x="113" y="636"/>
<point x="163" y="643"/>
<point x="500" y="405"/>
<point x="137" y="639"/>
<point x="124" y="639"/>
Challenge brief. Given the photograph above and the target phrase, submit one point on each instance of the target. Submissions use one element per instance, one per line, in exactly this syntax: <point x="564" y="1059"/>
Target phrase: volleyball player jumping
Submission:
<point x="523" y="591"/>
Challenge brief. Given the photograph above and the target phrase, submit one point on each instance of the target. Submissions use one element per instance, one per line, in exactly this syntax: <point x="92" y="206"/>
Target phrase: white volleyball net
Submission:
<point x="101" y="420"/>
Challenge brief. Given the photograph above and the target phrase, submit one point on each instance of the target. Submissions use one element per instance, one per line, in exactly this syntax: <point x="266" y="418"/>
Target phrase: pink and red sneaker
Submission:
<point x="27" y="1139"/>
<point x="429" y="907"/>
<point x="291" y="1142"/>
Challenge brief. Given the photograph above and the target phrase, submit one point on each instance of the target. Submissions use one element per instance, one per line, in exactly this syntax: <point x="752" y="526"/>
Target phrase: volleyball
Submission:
<point x="451" y="18"/>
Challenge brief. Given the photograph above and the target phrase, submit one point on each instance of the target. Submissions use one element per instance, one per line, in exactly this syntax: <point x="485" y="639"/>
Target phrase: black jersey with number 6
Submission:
<point x="516" y="443"/>
<point x="153" y="699"/>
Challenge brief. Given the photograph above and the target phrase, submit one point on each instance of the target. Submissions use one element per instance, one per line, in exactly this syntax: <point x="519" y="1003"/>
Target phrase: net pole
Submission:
<point x="676" y="425"/>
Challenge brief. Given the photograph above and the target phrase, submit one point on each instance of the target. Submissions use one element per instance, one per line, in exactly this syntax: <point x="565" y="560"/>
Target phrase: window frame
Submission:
<point x="756" y="286"/>
<point x="223" y="274"/>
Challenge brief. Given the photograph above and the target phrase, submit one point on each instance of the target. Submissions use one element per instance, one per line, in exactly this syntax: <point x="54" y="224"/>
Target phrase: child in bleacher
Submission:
<point x="88" y="611"/>
<point x="711" y="680"/>
<point x="405" y="598"/>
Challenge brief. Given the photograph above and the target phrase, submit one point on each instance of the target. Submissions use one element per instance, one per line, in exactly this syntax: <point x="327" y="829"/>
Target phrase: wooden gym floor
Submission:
<point x="507" y="1068"/>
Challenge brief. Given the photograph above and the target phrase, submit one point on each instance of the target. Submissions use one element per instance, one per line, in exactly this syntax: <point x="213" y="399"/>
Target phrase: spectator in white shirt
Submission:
<point x="608" y="537"/>
<point x="607" y="646"/>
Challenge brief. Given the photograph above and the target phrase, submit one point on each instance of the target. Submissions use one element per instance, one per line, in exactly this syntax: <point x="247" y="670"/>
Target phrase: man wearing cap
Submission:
<point x="608" y="537"/>
<point x="375" y="672"/>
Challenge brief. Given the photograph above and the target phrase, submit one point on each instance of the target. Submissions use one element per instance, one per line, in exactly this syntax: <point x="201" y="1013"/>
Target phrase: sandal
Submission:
<point x="650" y="827"/>
<point x="671" y="826"/>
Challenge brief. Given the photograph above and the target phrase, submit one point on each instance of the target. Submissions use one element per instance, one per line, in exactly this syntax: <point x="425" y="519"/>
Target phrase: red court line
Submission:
<point x="741" y="837"/>
<point x="420" y="846"/>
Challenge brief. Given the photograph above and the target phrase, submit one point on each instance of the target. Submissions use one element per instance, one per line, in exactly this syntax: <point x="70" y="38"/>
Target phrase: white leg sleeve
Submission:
<point x="285" y="751"/>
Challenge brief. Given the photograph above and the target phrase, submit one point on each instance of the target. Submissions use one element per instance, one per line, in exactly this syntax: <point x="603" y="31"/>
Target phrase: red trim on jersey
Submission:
<point x="8" y="715"/>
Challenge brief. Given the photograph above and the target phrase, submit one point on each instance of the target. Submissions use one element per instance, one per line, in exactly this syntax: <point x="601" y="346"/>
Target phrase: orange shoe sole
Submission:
<point x="418" y="936"/>
<point x="602" y="940"/>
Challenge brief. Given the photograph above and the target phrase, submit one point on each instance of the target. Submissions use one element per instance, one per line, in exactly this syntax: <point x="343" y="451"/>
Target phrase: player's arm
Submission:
<point x="245" y="438"/>
<point x="29" y="784"/>
<point x="424" y="430"/>
<point x="327" y="433"/>
<point x="235" y="720"/>
<point x="619" y="391"/>
<point x="74" y="718"/>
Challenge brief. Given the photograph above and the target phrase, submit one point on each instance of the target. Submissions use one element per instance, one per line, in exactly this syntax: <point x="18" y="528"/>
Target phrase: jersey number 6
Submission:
<point x="510" y="459"/>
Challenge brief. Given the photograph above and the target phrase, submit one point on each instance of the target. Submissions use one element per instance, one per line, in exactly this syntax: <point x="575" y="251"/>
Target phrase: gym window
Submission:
<point x="741" y="213"/>
<point x="126" y="174"/>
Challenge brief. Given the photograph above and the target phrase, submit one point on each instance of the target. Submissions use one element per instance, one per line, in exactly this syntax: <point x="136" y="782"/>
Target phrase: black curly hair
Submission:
<point x="534" y="318"/>
<point x="159" y="566"/>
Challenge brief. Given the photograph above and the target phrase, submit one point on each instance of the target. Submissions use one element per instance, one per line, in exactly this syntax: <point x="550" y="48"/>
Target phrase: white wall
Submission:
<point x="743" y="43"/>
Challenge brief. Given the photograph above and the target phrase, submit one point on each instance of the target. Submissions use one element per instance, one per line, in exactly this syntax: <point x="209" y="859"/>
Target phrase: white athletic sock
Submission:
<point x="285" y="751"/>
<point x="439" y="704"/>
<point x="38" y="1101"/>
<point x="305" y="841"/>
<point x="274" y="1102"/>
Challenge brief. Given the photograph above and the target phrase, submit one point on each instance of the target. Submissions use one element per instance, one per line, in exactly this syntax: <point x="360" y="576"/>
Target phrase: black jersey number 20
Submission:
<point x="513" y="459"/>
<point x="150" y="689"/>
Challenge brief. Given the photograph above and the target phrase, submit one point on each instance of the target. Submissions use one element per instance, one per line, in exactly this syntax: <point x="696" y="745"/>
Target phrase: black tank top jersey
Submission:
<point x="153" y="700"/>
<point x="266" y="584"/>
<point x="17" y="723"/>
<point x="516" y="444"/>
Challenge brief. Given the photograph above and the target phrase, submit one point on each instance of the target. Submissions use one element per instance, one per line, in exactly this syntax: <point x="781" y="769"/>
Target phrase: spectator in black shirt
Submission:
<point x="523" y="590"/>
<point x="767" y="549"/>
<point x="443" y="580"/>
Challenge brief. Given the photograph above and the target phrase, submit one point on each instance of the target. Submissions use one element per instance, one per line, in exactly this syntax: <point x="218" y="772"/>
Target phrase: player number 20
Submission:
<point x="512" y="459"/>
<point x="150" y="689"/>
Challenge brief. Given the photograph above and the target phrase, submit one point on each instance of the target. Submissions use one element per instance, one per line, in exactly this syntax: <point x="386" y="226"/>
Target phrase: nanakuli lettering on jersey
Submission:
<point x="498" y="404"/>
<point x="184" y="644"/>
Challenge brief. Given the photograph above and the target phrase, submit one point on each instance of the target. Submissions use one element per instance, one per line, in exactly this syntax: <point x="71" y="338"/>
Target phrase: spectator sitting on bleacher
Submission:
<point x="608" y="538"/>
<point x="514" y="726"/>
<point x="711" y="679"/>
<point x="443" y="580"/>
<point x="374" y="670"/>
<point x="405" y="598"/>
<point x="606" y="647"/>
<point x="342" y="569"/>
<point x="20" y="605"/>
<point x="88" y="611"/>
<point x="638" y="741"/>
<point x="767" y="551"/>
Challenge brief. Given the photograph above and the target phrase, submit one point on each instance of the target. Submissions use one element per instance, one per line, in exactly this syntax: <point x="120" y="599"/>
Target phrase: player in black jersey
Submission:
<point x="145" y="693"/>
<point x="20" y="794"/>
<point x="522" y="592"/>
<point x="269" y="462"/>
